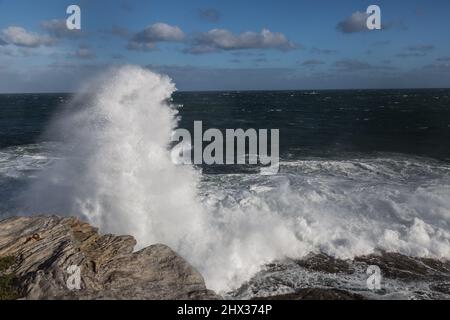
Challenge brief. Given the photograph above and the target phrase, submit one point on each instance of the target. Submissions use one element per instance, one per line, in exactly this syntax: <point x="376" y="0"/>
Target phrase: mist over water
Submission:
<point x="115" y="170"/>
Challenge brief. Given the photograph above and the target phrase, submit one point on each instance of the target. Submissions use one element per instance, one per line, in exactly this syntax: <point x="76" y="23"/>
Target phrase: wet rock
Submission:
<point x="324" y="263"/>
<point x="45" y="247"/>
<point x="321" y="277"/>
<point x="441" y="287"/>
<point x="398" y="266"/>
<point x="317" y="294"/>
<point x="392" y="265"/>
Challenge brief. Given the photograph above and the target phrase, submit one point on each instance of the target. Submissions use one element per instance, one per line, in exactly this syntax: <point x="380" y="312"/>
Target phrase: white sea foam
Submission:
<point x="16" y="162"/>
<point x="118" y="174"/>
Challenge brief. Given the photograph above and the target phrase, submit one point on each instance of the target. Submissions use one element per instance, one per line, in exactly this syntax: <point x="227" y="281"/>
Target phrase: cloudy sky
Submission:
<point x="227" y="44"/>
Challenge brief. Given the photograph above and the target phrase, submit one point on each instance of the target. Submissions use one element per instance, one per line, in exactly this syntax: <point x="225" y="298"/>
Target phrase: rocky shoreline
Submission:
<point x="321" y="277"/>
<point x="38" y="252"/>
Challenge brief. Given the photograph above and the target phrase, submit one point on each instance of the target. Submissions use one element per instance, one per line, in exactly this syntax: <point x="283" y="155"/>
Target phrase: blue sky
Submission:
<point x="227" y="45"/>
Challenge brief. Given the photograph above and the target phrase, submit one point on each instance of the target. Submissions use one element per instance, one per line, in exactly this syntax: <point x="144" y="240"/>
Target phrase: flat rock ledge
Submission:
<point x="36" y="252"/>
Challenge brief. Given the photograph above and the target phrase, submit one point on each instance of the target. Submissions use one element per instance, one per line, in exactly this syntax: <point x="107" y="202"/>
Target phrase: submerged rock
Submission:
<point x="321" y="277"/>
<point x="43" y="248"/>
<point x="316" y="294"/>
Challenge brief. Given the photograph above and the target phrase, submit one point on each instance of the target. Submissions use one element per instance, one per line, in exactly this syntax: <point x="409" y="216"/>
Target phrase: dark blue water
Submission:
<point x="319" y="124"/>
<point x="333" y="123"/>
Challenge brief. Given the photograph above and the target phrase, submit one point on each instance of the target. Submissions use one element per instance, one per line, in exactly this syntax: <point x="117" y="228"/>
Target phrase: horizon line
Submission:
<point x="247" y="90"/>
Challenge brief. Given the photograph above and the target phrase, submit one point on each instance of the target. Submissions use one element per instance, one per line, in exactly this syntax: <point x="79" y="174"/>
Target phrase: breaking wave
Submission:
<point x="116" y="171"/>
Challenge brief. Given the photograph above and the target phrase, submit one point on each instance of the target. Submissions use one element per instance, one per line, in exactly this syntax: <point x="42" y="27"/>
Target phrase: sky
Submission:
<point x="227" y="44"/>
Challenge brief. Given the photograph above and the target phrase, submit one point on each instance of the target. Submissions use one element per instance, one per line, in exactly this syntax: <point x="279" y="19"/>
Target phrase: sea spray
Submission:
<point x="116" y="171"/>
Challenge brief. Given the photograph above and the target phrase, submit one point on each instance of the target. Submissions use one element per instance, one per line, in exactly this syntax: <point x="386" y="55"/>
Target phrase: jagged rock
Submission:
<point x="44" y="247"/>
<point x="318" y="276"/>
<point x="316" y="294"/>
<point x="393" y="266"/>
<point x="398" y="266"/>
<point x="324" y="263"/>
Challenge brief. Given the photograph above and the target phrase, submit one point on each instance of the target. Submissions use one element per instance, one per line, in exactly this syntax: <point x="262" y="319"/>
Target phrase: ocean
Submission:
<point x="360" y="170"/>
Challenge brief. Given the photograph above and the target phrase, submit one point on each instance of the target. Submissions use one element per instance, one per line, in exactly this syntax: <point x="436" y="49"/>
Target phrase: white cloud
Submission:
<point x="58" y="29"/>
<point x="20" y="37"/>
<point x="221" y="39"/>
<point x="357" y="22"/>
<point x="84" y="53"/>
<point x="158" y="32"/>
